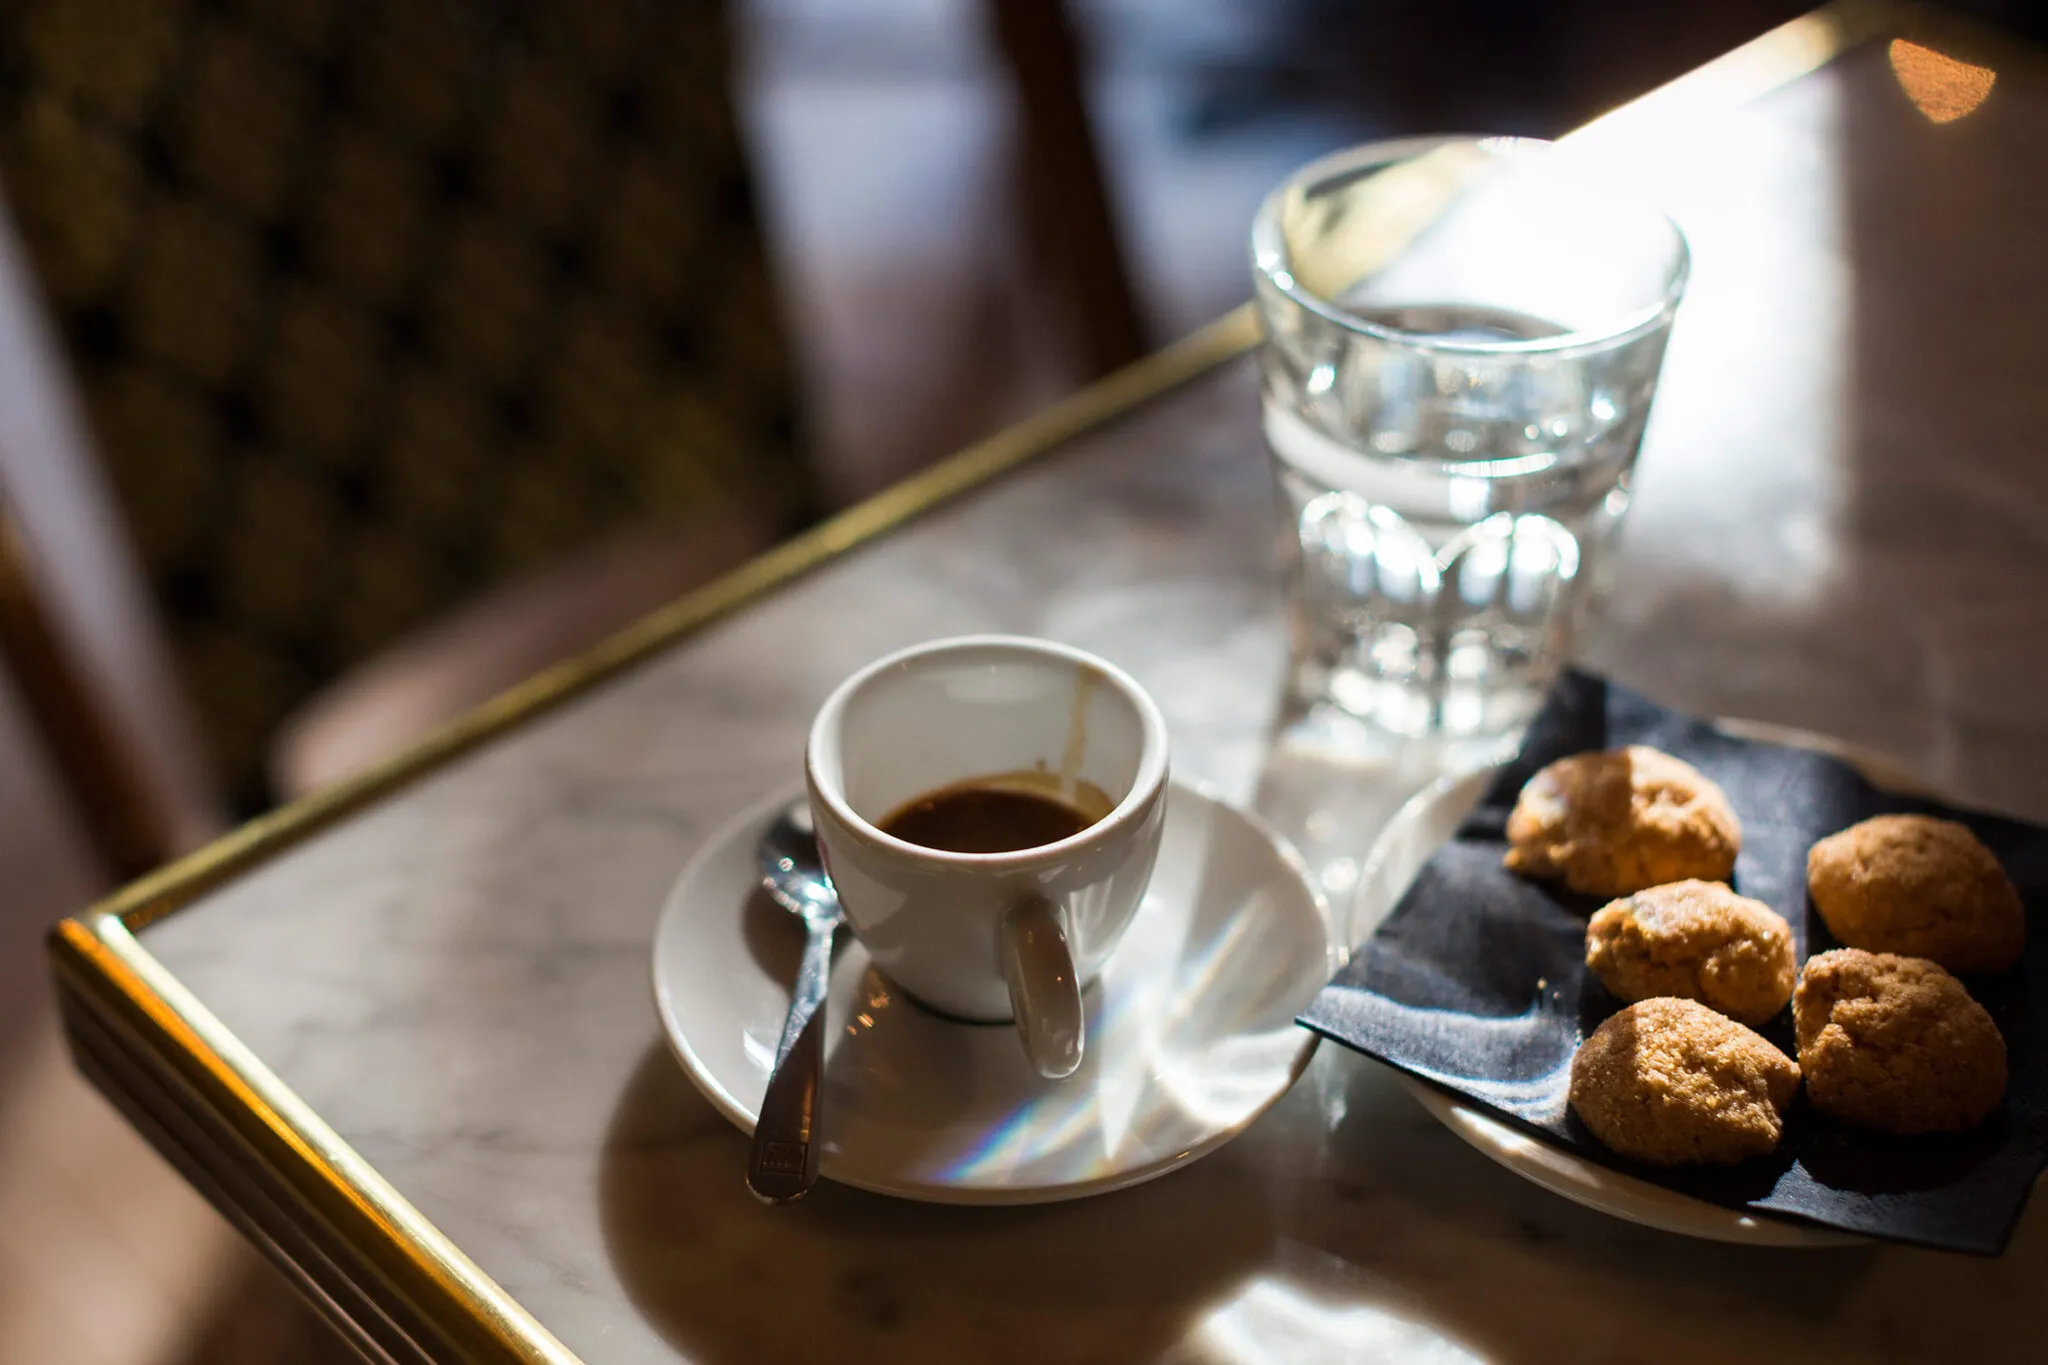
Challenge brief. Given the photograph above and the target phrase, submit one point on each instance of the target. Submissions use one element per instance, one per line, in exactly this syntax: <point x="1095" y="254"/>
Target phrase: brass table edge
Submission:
<point x="1776" y="58"/>
<point x="107" y="970"/>
<point x="98" y="951"/>
<point x="257" y="1201"/>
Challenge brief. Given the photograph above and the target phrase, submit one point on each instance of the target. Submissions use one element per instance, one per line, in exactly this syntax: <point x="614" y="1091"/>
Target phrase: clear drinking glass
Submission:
<point x="1462" y="339"/>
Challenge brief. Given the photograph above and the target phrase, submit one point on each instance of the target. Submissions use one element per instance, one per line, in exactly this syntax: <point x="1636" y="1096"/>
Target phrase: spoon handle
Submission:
<point x="783" y="1164"/>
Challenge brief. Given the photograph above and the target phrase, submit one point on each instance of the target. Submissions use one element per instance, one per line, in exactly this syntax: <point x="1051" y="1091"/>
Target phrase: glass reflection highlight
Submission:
<point x="1155" y="1043"/>
<point x="1270" y="1320"/>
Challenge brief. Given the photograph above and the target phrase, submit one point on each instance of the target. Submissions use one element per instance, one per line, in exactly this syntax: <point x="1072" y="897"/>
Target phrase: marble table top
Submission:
<point x="1841" y="524"/>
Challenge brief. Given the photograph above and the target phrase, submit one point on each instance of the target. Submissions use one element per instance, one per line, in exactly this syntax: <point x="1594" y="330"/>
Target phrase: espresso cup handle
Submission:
<point x="1045" y="990"/>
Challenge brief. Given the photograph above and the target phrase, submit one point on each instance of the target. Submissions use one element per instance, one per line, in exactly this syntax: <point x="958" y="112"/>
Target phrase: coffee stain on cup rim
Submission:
<point x="1087" y="682"/>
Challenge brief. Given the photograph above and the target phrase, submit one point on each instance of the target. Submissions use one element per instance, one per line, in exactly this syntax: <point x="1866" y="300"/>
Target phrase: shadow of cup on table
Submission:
<point x="847" y="1275"/>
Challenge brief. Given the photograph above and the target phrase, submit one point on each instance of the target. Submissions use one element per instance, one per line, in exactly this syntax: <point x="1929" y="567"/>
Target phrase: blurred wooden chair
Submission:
<point x="419" y="345"/>
<point x="1069" y="217"/>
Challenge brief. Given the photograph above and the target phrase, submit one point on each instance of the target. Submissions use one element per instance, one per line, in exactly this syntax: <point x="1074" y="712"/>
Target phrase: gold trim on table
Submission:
<point x="101" y="967"/>
<point x="1791" y="50"/>
<point x="442" y="1305"/>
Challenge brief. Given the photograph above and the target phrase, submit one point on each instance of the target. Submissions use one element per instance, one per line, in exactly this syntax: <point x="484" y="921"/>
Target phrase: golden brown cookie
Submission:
<point x="1670" y="1081"/>
<point x="1698" y="941"/>
<point x="1922" y="887"/>
<point x="1611" y="823"/>
<point x="1895" y="1043"/>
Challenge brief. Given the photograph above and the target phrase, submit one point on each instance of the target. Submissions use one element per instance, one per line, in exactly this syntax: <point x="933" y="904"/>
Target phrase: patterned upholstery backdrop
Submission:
<point x="374" y="303"/>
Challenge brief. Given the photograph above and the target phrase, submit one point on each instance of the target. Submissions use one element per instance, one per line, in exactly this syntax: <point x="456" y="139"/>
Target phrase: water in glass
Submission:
<point x="1448" y="495"/>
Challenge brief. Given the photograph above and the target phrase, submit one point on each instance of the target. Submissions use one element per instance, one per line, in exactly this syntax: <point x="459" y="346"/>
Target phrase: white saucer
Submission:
<point x="1425" y="824"/>
<point x="1191" y="1031"/>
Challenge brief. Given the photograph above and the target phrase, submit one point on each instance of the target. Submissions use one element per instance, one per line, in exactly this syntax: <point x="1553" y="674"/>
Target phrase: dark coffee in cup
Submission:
<point x="999" y="814"/>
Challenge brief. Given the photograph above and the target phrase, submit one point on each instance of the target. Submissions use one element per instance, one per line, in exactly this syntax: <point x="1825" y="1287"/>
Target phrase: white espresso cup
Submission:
<point x="991" y="936"/>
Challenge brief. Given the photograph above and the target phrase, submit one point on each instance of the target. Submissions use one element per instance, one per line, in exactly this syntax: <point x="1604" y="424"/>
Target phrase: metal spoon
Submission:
<point x="783" y="1164"/>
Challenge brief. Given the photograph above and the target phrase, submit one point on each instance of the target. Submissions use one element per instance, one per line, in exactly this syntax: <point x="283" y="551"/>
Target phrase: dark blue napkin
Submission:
<point x="1476" y="983"/>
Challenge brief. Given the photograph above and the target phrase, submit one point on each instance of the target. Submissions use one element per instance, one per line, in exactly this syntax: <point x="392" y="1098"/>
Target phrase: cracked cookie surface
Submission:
<point x="1895" y="1043"/>
<point x="1615" y="821"/>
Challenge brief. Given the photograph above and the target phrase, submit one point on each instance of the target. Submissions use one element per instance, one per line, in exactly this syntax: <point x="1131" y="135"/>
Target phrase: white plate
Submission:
<point x="1191" y="1031"/>
<point x="1425" y="824"/>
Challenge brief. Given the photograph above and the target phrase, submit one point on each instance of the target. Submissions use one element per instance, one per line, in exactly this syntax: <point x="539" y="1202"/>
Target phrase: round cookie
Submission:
<point x="1615" y="821"/>
<point x="1698" y="941"/>
<point x="1895" y="1043"/>
<point x="1921" y="887"/>
<point x="1670" y="1081"/>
